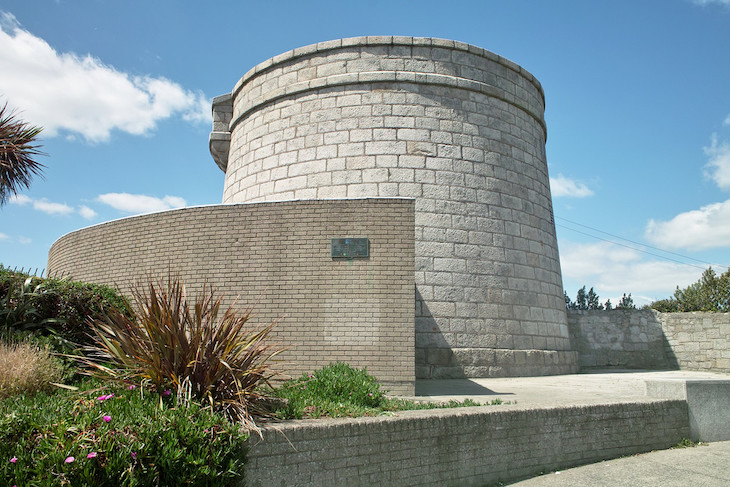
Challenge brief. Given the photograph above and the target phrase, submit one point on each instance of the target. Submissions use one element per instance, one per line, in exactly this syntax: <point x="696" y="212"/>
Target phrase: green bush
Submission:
<point x="335" y="390"/>
<point x="58" y="308"/>
<point x="113" y="437"/>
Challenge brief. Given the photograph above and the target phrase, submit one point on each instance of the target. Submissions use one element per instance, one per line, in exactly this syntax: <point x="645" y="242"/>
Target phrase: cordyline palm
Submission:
<point x="17" y="152"/>
<point x="185" y="346"/>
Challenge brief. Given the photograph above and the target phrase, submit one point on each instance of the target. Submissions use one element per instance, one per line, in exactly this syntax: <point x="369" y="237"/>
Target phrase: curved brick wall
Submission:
<point x="456" y="127"/>
<point x="276" y="256"/>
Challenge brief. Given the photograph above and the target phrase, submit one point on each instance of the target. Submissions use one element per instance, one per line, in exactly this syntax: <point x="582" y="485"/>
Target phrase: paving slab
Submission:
<point x="596" y="387"/>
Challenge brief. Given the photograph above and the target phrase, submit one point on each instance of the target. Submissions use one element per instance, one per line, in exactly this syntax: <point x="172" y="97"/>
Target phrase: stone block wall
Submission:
<point x="630" y="339"/>
<point x="459" y="129"/>
<point x="459" y="447"/>
<point x="697" y="341"/>
<point x="276" y="257"/>
<point x="648" y="339"/>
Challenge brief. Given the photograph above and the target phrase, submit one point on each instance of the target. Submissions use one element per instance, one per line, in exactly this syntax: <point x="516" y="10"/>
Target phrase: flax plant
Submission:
<point x="209" y="357"/>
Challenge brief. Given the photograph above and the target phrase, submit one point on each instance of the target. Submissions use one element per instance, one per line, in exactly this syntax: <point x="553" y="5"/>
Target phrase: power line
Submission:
<point x="635" y="243"/>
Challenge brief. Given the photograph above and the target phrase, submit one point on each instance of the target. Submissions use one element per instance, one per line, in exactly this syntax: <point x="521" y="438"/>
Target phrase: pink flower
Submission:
<point x="166" y="393"/>
<point x="134" y="455"/>
<point x="131" y="387"/>
<point x="69" y="460"/>
<point x="91" y="455"/>
<point x="104" y="398"/>
<point x="106" y="418"/>
<point x="14" y="459"/>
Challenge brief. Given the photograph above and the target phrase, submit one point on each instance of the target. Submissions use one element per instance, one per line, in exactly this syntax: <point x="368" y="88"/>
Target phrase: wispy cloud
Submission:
<point x="140" y="203"/>
<point x="706" y="228"/>
<point x="561" y="186"/>
<point x="50" y="207"/>
<point x="718" y="167"/>
<point x="4" y="237"/>
<point x="615" y="270"/>
<point x="73" y="94"/>
<point x="709" y="2"/>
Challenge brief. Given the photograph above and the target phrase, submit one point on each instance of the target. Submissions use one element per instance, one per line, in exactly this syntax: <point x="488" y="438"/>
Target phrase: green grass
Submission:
<point x="339" y="390"/>
<point x="64" y="438"/>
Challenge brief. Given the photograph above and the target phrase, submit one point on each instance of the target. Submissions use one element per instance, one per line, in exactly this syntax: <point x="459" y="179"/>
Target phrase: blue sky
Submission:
<point x="637" y="93"/>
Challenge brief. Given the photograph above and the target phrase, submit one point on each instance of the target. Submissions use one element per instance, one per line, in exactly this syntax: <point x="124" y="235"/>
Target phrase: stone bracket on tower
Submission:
<point x="220" y="137"/>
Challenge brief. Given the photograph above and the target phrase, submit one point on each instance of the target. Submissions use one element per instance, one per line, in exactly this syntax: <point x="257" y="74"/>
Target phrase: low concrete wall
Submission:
<point x="697" y="341"/>
<point x="630" y="339"/>
<point x="276" y="256"/>
<point x="707" y="400"/>
<point x="460" y="447"/>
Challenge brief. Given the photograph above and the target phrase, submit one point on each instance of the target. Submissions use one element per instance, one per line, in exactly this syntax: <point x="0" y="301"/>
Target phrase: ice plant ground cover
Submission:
<point x="127" y="439"/>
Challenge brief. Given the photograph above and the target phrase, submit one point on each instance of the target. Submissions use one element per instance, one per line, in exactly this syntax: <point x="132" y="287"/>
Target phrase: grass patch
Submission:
<point x="339" y="390"/>
<point x="27" y="368"/>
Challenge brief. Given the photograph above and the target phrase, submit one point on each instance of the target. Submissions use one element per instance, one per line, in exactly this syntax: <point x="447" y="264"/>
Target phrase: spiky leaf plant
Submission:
<point x="17" y="154"/>
<point x="192" y="348"/>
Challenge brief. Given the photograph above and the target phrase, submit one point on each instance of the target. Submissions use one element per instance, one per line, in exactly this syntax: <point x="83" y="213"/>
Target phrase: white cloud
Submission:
<point x="3" y="236"/>
<point x="24" y="240"/>
<point x="50" y="207"/>
<point x="718" y="168"/>
<point x="140" y="203"/>
<point x="86" y="212"/>
<point x="613" y="270"/>
<point x="65" y="92"/>
<point x="706" y="228"/>
<point x="562" y="186"/>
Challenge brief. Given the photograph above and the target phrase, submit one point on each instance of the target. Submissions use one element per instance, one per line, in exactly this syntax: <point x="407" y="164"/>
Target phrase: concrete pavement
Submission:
<point x="706" y="465"/>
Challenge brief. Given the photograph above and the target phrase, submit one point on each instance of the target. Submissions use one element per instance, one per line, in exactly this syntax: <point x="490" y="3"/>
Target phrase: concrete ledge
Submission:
<point x="707" y="403"/>
<point x="463" y="446"/>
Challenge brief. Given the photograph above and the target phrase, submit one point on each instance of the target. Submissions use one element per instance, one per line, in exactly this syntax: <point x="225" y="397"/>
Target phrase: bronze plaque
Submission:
<point x="350" y="248"/>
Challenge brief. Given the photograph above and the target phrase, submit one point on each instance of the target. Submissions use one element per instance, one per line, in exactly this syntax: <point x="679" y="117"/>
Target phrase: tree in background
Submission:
<point x="589" y="300"/>
<point x="710" y="293"/>
<point x="18" y="150"/>
<point x="627" y="302"/>
<point x="583" y="300"/>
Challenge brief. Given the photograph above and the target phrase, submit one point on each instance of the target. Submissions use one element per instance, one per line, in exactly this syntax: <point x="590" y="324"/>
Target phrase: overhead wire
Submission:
<point x="635" y="243"/>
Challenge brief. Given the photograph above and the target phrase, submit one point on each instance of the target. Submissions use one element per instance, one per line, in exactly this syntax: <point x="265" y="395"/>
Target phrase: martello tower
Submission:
<point x="453" y="126"/>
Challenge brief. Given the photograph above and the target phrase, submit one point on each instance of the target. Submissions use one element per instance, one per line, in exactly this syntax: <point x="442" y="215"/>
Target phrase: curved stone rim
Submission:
<point x="386" y="41"/>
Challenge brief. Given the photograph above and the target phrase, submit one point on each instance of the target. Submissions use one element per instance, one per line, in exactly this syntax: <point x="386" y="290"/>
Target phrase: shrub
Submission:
<point x="186" y="347"/>
<point x="335" y="390"/>
<point x="58" y="308"/>
<point x="112" y="437"/>
<point x="27" y="368"/>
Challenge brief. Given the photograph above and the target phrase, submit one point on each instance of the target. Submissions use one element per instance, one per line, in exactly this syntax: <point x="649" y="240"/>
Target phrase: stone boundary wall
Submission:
<point x="631" y="339"/>
<point x="276" y="256"/>
<point x="648" y="339"/>
<point x="697" y="341"/>
<point x="459" y="447"/>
